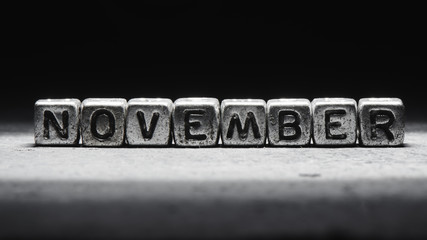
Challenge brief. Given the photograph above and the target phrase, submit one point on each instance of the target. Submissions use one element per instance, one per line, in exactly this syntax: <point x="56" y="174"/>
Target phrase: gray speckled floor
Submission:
<point x="214" y="192"/>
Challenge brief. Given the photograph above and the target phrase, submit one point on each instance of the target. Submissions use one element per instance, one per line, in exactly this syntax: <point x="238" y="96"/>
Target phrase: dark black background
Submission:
<point x="250" y="49"/>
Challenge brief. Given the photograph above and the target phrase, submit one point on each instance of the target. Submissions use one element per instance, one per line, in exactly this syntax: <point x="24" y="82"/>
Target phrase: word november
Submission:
<point x="200" y="122"/>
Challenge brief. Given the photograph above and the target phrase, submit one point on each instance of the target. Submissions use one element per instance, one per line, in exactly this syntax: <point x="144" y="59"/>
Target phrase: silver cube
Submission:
<point x="56" y="122"/>
<point x="289" y="122"/>
<point x="382" y="121"/>
<point x="243" y="122"/>
<point x="334" y="121"/>
<point x="148" y="122"/>
<point x="196" y="122"/>
<point x="103" y="122"/>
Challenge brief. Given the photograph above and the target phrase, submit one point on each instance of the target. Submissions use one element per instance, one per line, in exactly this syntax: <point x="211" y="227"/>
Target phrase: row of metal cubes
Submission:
<point x="201" y="122"/>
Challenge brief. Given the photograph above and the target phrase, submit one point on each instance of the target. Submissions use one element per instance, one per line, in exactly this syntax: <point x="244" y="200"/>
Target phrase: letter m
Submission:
<point x="243" y="132"/>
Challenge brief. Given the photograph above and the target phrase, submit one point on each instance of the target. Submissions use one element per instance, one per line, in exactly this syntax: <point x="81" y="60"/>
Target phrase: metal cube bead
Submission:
<point x="103" y="121"/>
<point x="289" y="122"/>
<point x="243" y="122"/>
<point x="148" y="122"/>
<point x="56" y="122"/>
<point x="382" y="121"/>
<point x="334" y="121"/>
<point x="196" y="122"/>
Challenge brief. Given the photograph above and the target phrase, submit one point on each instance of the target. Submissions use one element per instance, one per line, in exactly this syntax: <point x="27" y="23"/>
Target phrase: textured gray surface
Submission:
<point x="214" y="192"/>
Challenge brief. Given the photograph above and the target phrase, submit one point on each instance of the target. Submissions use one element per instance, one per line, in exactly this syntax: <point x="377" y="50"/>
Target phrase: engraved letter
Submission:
<point x="111" y="120"/>
<point x="243" y="132"/>
<point x="193" y="124"/>
<point x="49" y="117"/>
<point x="295" y="125"/>
<point x="330" y="124"/>
<point x="147" y="133"/>
<point x="383" y="126"/>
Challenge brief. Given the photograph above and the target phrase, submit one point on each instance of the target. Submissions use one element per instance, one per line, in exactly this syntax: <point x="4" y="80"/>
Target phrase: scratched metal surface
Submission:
<point x="82" y="192"/>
